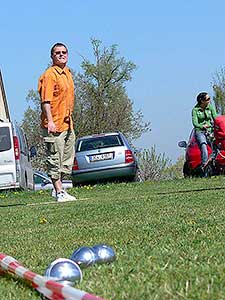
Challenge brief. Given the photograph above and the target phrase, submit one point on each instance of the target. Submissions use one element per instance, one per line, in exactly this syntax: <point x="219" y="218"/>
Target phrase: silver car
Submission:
<point x="102" y="157"/>
<point x="43" y="182"/>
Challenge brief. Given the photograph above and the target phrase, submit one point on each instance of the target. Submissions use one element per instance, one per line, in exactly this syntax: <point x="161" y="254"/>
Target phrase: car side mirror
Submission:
<point x="33" y="151"/>
<point x="182" y="144"/>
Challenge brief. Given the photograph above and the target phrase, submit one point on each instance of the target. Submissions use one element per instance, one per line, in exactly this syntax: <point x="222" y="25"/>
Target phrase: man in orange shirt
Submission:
<point x="56" y="89"/>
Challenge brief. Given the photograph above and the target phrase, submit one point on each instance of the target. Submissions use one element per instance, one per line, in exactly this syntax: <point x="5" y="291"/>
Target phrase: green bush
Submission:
<point x="153" y="166"/>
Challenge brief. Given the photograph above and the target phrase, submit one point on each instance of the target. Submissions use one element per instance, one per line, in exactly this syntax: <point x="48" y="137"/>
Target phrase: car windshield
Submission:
<point x="99" y="142"/>
<point x="5" y="143"/>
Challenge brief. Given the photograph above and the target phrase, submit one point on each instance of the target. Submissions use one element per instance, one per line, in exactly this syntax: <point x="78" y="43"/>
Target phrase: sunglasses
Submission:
<point x="207" y="99"/>
<point x="60" y="52"/>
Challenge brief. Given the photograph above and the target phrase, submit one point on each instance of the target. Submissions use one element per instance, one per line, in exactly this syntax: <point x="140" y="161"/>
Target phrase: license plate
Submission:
<point x="99" y="157"/>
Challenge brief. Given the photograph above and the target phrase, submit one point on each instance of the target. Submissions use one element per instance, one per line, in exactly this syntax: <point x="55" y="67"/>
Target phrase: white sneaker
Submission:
<point x="72" y="198"/>
<point x="53" y="193"/>
<point x="63" y="196"/>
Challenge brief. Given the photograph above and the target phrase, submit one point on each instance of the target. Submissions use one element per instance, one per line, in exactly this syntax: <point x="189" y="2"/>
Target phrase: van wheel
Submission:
<point x="26" y="183"/>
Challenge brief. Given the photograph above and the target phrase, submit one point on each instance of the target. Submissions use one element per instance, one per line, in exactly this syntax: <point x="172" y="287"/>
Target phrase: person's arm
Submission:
<point x="195" y="121"/>
<point x="45" y="88"/>
<point x="46" y="108"/>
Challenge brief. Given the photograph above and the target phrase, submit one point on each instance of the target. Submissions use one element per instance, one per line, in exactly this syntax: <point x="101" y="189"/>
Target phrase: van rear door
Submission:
<point x="7" y="157"/>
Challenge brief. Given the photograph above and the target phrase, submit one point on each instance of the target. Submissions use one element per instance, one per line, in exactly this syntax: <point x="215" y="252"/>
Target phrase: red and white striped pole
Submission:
<point x="49" y="288"/>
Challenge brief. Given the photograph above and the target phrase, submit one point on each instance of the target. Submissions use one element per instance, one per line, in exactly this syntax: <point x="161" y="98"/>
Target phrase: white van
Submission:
<point x="15" y="165"/>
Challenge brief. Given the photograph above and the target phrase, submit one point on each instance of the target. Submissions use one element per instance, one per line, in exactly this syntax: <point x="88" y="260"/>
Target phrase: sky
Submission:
<point x="178" y="47"/>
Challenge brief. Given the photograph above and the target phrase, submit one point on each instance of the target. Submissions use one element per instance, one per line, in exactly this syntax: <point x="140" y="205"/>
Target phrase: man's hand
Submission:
<point x="51" y="127"/>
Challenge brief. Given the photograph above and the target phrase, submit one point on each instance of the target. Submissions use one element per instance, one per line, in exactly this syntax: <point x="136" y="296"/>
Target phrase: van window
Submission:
<point x="5" y="141"/>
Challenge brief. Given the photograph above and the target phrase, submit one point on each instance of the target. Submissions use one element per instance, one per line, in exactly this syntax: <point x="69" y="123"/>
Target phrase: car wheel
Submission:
<point x="74" y="184"/>
<point x="138" y="176"/>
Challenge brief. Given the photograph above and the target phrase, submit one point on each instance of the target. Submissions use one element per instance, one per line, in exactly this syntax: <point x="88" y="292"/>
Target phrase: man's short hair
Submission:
<point x="57" y="45"/>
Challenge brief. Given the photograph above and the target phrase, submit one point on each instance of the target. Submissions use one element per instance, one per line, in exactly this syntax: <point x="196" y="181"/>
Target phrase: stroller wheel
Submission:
<point x="207" y="171"/>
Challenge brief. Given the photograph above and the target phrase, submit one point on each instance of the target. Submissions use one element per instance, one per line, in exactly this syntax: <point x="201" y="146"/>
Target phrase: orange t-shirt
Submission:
<point x="56" y="87"/>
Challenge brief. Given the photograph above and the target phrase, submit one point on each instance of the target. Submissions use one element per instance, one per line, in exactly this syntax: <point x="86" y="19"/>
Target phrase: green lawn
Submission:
<point x="168" y="236"/>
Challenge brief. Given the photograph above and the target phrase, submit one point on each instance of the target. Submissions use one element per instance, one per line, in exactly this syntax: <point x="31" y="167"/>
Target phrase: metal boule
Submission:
<point x="84" y="257"/>
<point x="103" y="254"/>
<point x="64" y="271"/>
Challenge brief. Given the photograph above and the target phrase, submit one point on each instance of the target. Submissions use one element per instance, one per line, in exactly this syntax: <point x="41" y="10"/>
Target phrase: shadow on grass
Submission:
<point x="11" y="205"/>
<point x="191" y="191"/>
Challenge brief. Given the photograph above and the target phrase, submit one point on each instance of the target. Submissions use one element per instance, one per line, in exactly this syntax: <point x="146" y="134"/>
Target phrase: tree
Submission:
<point x="219" y="91"/>
<point x="102" y="104"/>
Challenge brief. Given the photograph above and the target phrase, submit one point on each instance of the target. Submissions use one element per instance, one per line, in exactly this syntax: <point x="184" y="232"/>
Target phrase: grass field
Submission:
<point x="168" y="236"/>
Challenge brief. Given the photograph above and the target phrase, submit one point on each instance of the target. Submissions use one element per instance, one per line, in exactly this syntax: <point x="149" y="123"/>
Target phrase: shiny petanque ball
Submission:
<point x="103" y="254"/>
<point x="84" y="257"/>
<point x="64" y="271"/>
